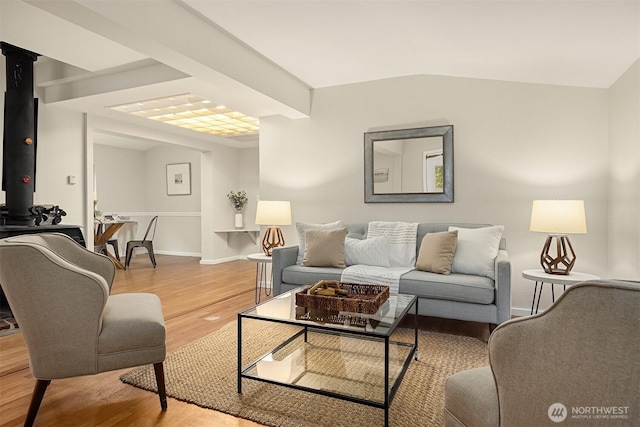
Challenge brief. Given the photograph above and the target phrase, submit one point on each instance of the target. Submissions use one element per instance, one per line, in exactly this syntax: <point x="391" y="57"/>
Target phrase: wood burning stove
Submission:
<point x="18" y="215"/>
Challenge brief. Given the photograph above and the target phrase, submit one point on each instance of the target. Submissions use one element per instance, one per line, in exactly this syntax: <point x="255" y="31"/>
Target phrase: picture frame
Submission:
<point x="179" y="179"/>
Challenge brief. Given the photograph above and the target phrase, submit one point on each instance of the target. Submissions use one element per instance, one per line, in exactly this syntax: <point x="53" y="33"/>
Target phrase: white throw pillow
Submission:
<point x="476" y="250"/>
<point x="301" y="227"/>
<point x="374" y="251"/>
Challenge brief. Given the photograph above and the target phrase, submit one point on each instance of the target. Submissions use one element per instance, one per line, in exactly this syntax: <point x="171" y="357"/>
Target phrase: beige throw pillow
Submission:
<point x="301" y="227"/>
<point x="437" y="251"/>
<point x="324" y="248"/>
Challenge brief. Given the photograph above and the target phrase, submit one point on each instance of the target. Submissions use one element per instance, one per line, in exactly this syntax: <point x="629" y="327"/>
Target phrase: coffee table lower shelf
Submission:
<point x="355" y="367"/>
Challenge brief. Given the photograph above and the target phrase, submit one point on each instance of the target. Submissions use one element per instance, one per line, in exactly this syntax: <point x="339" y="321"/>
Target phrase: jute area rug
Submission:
<point x="204" y="373"/>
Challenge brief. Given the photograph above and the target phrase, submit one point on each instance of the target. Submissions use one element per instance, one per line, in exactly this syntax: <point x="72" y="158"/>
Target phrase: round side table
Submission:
<point x="263" y="279"/>
<point x="541" y="277"/>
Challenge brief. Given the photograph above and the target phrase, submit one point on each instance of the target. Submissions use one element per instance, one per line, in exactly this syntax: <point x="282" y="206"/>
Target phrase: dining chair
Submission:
<point x="59" y="293"/>
<point x="146" y="242"/>
<point x="101" y="247"/>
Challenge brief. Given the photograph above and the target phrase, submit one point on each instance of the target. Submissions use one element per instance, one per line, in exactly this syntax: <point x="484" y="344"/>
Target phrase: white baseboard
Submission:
<point x="221" y="260"/>
<point x="190" y="254"/>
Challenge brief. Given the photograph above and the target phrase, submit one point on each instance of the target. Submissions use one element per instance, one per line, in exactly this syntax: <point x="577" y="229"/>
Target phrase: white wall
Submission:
<point x="61" y="148"/>
<point x="513" y="143"/>
<point x="120" y="179"/>
<point x="178" y="228"/>
<point x="624" y="186"/>
<point x="233" y="170"/>
<point x="249" y="180"/>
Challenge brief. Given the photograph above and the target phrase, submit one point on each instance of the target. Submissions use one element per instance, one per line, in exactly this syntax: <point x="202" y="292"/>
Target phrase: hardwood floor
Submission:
<point x="197" y="300"/>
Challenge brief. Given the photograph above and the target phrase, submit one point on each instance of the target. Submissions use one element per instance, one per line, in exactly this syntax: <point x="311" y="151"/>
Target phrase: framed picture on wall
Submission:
<point x="178" y="179"/>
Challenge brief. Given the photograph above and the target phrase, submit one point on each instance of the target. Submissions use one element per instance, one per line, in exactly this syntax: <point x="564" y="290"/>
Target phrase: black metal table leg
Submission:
<point x="533" y="302"/>
<point x="268" y="287"/>
<point x="386" y="381"/>
<point x="539" y="295"/>
<point x="415" y="332"/>
<point x="258" y="283"/>
<point x="239" y="354"/>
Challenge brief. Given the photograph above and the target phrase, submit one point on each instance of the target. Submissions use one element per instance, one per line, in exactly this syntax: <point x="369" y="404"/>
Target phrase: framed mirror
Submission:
<point x="409" y="165"/>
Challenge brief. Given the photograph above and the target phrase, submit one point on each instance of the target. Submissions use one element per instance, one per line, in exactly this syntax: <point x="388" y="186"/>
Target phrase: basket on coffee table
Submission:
<point x="365" y="299"/>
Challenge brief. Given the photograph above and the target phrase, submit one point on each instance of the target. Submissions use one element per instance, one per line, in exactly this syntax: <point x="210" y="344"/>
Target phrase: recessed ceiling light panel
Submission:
<point x="194" y="113"/>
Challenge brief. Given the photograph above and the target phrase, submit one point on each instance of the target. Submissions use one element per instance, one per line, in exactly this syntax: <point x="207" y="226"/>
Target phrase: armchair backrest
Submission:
<point x="581" y="353"/>
<point x="69" y="249"/>
<point x="57" y="303"/>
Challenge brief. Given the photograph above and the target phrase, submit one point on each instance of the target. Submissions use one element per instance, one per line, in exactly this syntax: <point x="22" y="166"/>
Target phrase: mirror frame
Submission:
<point x="446" y="132"/>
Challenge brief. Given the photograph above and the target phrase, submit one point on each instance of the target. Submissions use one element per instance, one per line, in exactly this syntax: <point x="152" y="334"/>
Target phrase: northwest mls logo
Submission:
<point x="557" y="412"/>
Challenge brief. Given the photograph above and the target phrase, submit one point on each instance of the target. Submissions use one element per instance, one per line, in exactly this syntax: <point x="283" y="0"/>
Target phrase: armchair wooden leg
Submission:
<point x="162" y="393"/>
<point x="36" y="399"/>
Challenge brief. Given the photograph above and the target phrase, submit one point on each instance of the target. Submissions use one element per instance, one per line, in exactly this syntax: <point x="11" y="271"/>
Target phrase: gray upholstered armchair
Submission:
<point x="578" y="362"/>
<point x="59" y="293"/>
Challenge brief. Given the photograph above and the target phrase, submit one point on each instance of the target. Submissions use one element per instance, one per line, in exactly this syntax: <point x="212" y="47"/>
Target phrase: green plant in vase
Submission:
<point x="238" y="201"/>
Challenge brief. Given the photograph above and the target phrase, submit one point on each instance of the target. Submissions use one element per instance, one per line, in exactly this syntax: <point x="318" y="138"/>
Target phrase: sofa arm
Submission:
<point x="503" y="286"/>
<point x="281" y="258"/>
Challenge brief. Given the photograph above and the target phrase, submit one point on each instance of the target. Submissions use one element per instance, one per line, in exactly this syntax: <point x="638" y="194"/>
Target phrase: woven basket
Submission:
<point x="357" y="320"/>
<point x="365" y="299"/>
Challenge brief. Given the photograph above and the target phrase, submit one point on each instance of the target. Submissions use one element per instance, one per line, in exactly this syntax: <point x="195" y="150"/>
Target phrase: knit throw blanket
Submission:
<point x="402" y="255"/>
<point x="402" y="241"/>
<point x="374" y="275"/>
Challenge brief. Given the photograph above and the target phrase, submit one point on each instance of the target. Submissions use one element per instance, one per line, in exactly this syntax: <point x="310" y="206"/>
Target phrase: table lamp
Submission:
<point x="558" y="218"/>
<point x="273" y="213"/>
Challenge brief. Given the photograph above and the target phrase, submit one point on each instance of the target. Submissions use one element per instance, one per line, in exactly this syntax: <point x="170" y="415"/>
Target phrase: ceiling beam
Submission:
<point x="156" y="29"/>
<point x="97" y="84"/>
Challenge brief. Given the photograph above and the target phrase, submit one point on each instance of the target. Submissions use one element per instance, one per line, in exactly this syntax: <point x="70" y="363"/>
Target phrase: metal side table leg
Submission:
<point x="533" y="302"/>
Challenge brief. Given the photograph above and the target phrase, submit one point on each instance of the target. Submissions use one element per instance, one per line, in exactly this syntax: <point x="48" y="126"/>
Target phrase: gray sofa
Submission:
<point x="455" y="296"/>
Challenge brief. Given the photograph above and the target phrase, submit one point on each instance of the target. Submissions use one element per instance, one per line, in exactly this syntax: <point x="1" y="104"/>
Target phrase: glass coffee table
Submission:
<point x="343" y="355"/>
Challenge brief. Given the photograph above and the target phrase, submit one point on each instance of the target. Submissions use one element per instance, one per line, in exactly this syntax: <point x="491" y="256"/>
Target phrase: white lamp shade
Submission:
<point x="270" y="212"/>
<point x="558" y="216"/>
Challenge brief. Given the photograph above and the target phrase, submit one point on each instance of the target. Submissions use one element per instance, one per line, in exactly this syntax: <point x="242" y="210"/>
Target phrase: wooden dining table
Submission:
<point x="104" y="231"/>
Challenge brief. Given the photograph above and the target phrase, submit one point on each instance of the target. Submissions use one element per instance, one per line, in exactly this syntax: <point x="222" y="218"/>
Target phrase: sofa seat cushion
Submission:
<point x="300" y="275"/>
<point x="454" y="287"/>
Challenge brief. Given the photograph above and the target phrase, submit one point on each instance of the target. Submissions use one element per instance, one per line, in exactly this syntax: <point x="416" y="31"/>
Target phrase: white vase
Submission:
<point x="239" y="220"/>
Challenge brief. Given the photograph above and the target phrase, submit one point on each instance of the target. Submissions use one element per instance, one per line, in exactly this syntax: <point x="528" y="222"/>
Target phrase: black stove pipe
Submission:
<point x="19" y="139"/>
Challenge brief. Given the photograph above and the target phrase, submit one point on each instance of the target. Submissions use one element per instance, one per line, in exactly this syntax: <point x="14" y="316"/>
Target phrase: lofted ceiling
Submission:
<point x="265" y="57"/>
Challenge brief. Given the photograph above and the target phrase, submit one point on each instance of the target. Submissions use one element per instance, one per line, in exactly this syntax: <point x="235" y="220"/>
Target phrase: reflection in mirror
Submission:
<point x="409" y="165"/>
